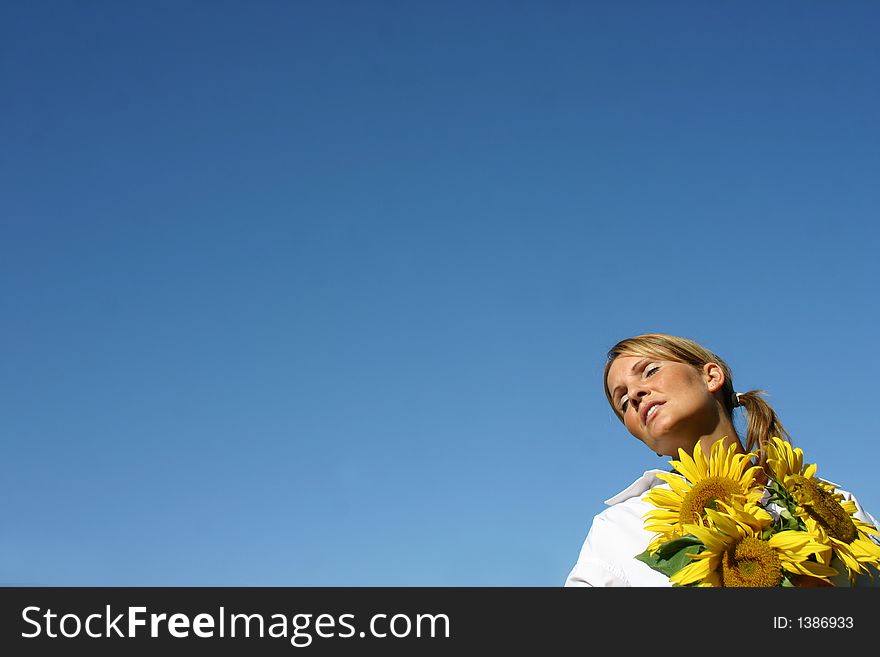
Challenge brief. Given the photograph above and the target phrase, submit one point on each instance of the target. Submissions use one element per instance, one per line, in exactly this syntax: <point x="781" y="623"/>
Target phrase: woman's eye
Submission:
<point x="624" y="402"/>
<point x="650" y="371"/>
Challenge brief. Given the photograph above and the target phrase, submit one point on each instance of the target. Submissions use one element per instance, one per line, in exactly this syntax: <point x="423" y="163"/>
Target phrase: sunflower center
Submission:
<point x="703" y="495"/>
<point x="824" y="509"/>
<point x="751" y="563"/>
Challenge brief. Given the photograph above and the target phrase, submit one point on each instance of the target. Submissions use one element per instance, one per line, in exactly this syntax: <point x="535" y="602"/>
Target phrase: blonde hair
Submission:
<point x="763" y="422"/>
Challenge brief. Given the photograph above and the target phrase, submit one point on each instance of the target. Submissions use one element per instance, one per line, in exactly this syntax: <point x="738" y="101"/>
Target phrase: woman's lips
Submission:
<point x="652" y="413"/>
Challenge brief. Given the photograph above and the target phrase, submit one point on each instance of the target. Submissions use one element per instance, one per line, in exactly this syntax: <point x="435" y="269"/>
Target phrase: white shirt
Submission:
<point x="617" y="535"/>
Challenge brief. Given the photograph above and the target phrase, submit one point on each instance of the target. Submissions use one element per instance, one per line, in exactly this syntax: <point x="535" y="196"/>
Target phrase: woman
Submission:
<point x="673" y="394"/>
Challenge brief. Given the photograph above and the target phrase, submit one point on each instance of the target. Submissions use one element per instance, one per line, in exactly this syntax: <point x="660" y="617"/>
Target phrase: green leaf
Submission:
<point x="669" y="548"/>
<point x="681" y="558"/>
<point x="672" y="555"/>
<point x="649" y="559"/>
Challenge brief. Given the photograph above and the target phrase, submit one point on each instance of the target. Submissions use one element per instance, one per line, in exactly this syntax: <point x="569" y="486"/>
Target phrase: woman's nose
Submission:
<point x="637" y="394"/>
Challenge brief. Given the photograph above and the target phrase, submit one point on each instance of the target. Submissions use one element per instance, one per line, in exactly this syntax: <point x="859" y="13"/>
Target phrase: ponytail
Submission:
<point x="763" y="423"/>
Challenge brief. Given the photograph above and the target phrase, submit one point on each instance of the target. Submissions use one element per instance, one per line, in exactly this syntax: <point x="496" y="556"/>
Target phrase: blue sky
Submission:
<point x="319" y="293"/>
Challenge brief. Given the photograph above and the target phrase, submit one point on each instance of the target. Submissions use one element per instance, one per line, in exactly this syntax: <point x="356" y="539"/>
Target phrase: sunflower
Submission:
<point x="699" y="485"/>
<point x="737" y="553"/>
<point x="823" y="511"/>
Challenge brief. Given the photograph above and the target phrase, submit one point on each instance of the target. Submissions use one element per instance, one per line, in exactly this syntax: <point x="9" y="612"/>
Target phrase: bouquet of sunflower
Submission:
<point x="724" y="521"/>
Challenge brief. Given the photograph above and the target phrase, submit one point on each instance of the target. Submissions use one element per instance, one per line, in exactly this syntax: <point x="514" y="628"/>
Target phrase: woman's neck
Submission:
<point x="724" y="431"/>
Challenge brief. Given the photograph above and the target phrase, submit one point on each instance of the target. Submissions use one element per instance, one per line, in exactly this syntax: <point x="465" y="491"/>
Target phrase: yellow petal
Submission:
<point x="790" y="540"/>
<point x="692" y="572"/>
<point x="810" y="568"/>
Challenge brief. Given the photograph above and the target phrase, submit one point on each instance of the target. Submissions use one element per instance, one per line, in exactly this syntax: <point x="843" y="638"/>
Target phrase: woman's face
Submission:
<point x="666" y="404"/>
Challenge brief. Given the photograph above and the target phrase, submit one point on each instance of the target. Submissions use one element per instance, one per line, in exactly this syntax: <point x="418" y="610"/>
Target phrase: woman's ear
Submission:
<point x="714" y="376"/>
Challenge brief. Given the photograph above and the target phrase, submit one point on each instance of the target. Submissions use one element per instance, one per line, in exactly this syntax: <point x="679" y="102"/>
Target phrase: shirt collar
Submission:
<point x="647" y="481"/>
